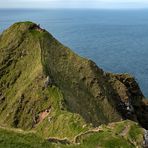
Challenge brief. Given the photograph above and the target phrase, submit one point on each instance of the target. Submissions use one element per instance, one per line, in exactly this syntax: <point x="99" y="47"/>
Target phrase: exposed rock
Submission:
<point x="59" y="141"/>
<point x="146" y="139"/>
<point x="43" y="115"/>
<point x="132" y="103"/>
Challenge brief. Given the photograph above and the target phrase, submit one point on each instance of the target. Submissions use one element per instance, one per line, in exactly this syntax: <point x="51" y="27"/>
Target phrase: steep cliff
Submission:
<point x="47" y="87"/>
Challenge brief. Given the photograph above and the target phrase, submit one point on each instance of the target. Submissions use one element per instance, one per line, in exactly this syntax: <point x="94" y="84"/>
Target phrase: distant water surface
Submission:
<point x="117" y="40"/>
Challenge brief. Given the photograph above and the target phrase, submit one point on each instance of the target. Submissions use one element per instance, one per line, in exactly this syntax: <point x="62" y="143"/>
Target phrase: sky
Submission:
<point x="103" y="4"/>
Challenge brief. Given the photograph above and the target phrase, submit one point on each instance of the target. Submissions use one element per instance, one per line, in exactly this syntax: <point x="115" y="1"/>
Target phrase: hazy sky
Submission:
<point x="74" y="4"/>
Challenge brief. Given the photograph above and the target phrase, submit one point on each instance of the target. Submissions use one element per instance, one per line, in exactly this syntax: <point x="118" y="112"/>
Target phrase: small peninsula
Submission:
<point x="52" y="97"/>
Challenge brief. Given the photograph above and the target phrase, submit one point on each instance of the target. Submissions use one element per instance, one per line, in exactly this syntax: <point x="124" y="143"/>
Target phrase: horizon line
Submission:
<point x="75" y="8"/>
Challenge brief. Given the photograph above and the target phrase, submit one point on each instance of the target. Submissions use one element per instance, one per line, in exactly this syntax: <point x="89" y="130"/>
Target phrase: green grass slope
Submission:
<point x="47" y="88"/>
<point x="24" y="89"/>
<point x="19" y="139"/>
<point x="125" y="134"/>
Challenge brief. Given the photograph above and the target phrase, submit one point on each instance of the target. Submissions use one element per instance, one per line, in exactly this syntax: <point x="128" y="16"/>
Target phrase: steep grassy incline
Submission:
<point x="27" y="100"/>
<point x="99" y="97"/>
<point x="21" y="76"/>
<point x="46" y="87"/>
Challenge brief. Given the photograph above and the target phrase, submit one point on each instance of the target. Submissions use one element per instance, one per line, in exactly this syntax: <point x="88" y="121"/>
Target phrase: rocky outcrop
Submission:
<point x="59" y="141"/>
<point x="145" y="139"/>
<point x="132" y="103"/>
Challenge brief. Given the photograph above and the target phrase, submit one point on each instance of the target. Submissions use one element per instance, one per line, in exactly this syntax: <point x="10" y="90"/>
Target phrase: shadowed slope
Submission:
<point x="98" y="96"/>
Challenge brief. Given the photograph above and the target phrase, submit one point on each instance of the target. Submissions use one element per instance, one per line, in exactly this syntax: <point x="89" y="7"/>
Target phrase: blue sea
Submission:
<point x="117" y="40"/>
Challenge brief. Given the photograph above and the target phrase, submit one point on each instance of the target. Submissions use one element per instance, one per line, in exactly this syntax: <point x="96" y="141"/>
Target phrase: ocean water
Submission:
<point x="117" y="40"/>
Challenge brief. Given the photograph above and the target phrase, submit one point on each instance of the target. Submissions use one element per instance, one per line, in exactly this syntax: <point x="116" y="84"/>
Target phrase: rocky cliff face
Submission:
<point x="42" y="79"/>
<point x="99" y="97"/>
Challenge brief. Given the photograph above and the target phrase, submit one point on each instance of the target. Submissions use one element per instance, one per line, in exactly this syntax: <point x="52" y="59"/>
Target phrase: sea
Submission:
<point x="116" y="40"/>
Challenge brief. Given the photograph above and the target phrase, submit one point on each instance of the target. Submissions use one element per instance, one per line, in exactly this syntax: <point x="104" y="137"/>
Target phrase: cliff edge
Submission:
<point x="43" y="83"/>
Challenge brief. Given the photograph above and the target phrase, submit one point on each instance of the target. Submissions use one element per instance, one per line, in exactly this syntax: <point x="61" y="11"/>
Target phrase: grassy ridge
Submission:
<point x="25" y="91"/>
<point x="37" y="73"/>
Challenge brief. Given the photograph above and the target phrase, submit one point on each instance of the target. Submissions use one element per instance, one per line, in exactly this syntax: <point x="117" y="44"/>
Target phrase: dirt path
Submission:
<point x="125" y="131"/>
